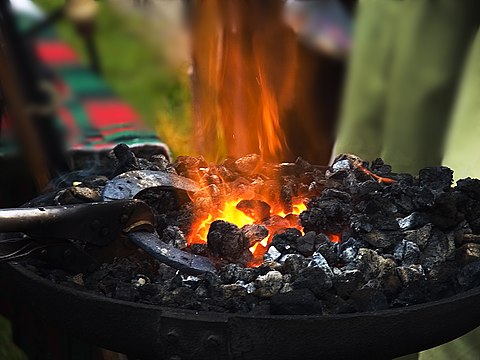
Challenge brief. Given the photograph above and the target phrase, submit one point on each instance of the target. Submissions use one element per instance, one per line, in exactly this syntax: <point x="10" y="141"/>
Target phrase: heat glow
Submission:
<point x="230" y="213"/>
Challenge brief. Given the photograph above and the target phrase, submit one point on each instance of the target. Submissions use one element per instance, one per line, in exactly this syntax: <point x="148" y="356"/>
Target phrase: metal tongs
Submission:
<point x="81" y="237"/>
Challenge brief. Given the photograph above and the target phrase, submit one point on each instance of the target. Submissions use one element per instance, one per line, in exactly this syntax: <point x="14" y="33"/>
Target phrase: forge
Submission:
<point x="245" y="251"/>
<point x="269" y="245"/>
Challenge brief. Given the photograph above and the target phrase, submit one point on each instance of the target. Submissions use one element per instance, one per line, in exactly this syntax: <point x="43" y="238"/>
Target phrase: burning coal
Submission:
<point x="295" y="238"/>
<point x="257" y="202"/>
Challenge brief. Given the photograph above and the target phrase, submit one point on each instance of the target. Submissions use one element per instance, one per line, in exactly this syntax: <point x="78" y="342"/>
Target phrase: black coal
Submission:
<point x="403" y="242"/>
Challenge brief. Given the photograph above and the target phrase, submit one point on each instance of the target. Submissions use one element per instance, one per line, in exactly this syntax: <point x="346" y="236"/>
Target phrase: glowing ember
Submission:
<point x="335" y="238"/>
<point x="358" y="163"/>
<point x="232" y="214"/>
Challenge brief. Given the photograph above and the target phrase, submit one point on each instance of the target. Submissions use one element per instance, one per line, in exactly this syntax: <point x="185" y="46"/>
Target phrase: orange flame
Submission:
<point x="230" y="213"/>
<point x="241" y="91"/>
<point x="271" y="139"/>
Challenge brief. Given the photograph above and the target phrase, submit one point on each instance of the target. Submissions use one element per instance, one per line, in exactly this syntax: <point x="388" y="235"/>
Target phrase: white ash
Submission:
<point x="140" y="280"/>
<point x="190" y="280"/>
<point x="412" y="221"/>
<point x="420" y="236"/>
<point x="373" y="284"/>
<point x="407" y="252"/>
<point x="287" y="287"/>
<point x="269" y="284"/>
<point x="318" y="261"/>
<point x="341" y="165"/>
<point x="233" y="290"/>
<point x="78" y="279"/>
<point x="272" y="254"/>
<point x="411" y="273"/>
<point x="250" y="287"/>
<point x="349" y="250"/>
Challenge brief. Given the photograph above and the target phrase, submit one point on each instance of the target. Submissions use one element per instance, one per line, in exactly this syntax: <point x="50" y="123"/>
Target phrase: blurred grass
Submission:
<point x="135" y="66"/>
<point x="8" y="351"/>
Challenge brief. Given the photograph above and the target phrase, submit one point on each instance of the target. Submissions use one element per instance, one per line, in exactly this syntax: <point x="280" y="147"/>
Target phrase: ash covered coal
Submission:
<point x="403" y="239"/>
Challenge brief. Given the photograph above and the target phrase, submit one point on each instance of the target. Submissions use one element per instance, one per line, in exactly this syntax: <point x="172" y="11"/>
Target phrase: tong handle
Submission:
<point x="94" y="223"/>
<point x="28" y="219"/>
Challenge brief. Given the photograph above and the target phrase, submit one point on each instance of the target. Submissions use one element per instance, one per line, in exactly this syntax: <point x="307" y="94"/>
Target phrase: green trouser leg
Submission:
<point x="360" y="130"/>
<point x="462" y="150"/>
<point x="465" y="348"/>
<point x="463" y="156"/>
<point x="398" y="107"/>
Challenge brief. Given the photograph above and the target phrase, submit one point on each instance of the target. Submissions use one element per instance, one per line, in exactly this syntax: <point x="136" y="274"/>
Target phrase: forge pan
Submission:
<point x="152" y="332"/>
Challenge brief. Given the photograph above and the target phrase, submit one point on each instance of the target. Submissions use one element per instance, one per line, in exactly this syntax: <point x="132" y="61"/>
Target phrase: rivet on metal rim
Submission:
<point x="213" y="340"/>
<point x="173" y="336"/>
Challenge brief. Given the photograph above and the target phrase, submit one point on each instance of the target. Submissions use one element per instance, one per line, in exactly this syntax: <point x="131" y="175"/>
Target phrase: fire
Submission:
<point x="232" y="214"/>
<point x="229" y="213"/>
<point x="271" y="139"/>
<point x="242" y="87"/>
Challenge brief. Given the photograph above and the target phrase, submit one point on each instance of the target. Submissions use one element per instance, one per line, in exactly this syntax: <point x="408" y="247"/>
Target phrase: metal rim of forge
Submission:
<point x="165" y="332"/>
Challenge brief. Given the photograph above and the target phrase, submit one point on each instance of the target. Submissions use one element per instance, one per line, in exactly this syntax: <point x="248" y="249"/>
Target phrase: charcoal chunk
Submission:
<point x="347" y="282"/>
<point x="305" y="244"/>
<point x="410" y="295"/>
<point x="327" y="249"/>
<point x="254" y="233"/>
<point x="125" y="292"/>
<point x="334" y="304"/>
<point x="373" y="265"/>
<point x="77" y="195"/>
<point x="381" y="239"/>
<point x="469" y="276"/>
<point x="248" y="164"/>
<point x="293" y="263"/>
<point x="285" y="241"/>
<point x="419" y="236"/>
<point x="409" y="274"/>
<point x="233" y="291"/>
<point x="286" y="197"/>
<point x="199" y="249"/>
<point x="160" y="161"/>
<point x="328" y="213"/>
<point x="258" y="210"/>
<point x="190" y="166"/>
<point x="127" y="161"/>
<point x="368" y="299"/>
<point x="349" y="250"/>
<point x="174" y="236"/>
<point x="226" y="240"/>
<point x="470" y="187"/>
<point x="318" y="261"/>
<point x="467" y="254"/>
<point x="296" y="302"/>
<point x="438" y="178"/>
<point x="413" y="221"/>
<point x="231" y="273"/>
<point x="380" y="168"/>
<point x="407" y="253"/>
<point x="269" y="284"/>
<point x="272" y="254"/>
<point x="315" y="279"/>
<point x="442" y="281"/>
<point x="440" y="248"/>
